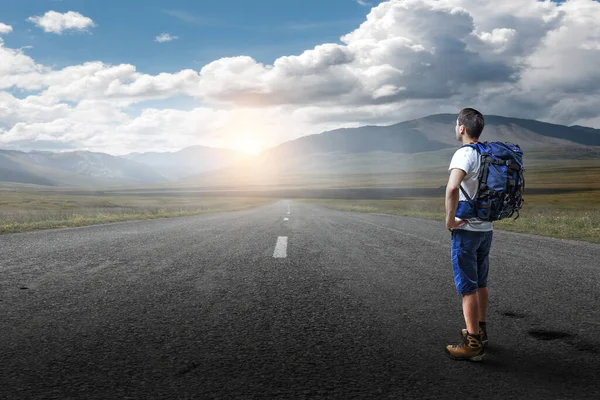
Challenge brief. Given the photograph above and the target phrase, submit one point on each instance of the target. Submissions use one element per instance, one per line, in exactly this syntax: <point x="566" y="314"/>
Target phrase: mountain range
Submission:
<point x="415" y="146"/>
<point x="187" y="162"/>
<point x="85" y="168"/>
<point x="408" y="154"/>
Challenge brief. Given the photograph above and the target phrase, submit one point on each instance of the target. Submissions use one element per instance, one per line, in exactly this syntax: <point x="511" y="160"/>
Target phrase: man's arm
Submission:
<point x="452" y="195"/>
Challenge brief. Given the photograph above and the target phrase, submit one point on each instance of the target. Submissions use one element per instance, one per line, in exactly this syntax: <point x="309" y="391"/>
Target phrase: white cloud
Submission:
<point x="363" y="3"/>
<point x="55" y="22"/>
<point x="102" y="126"/>
<point x="443" y="52"/>
<point x="408" y="59"/>
<point x="33" y="109"/>
<point x="16" y="64"/>
<point x="165" y="37"/>
<point x="416" y="46"/>
<point x="4" y="29"/>
<point x="92" y="80"/>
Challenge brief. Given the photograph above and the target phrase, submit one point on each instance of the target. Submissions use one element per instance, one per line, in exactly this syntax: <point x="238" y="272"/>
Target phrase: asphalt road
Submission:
<point x="348" y="306"/>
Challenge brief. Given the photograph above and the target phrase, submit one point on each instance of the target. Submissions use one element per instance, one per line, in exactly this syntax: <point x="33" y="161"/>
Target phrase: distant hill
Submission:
<point x="592" y="133"/>
<point x="84" y="168"/>
<point x="375" y="154"/>
<point x="78" y="168"/>
<point x="436" y="132"/>
<point x="190" y="161"/>
<point x="524" y="132"/>
<point x="433" y="133"/>
<point x="393" y="139"/>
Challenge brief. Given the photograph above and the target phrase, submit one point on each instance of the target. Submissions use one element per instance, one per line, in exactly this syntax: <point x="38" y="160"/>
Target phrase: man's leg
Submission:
<point x="482" y="299"/>
<point x="483" y="266"/>
<point x="464" y="265"/>
<point x="471" y="311"/>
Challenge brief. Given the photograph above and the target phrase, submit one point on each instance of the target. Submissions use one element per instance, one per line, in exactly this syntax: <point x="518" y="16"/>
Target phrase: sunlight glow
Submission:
<point x="247" y="143"/>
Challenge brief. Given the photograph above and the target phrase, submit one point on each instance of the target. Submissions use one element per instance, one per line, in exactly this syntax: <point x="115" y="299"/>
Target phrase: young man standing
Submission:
<point x="471" y="240"/>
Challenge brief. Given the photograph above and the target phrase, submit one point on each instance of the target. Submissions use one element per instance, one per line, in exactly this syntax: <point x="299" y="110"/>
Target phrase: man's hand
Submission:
<point x="453" y="223"/>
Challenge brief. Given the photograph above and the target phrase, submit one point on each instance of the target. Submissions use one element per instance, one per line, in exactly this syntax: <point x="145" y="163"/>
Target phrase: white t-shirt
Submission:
<point x="468" y="159"/>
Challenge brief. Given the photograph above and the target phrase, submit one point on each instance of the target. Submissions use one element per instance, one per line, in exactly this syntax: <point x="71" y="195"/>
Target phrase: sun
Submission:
<point x="247" y="143"/>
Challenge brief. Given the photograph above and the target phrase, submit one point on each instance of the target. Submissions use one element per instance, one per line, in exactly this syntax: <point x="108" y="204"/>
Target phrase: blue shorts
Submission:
<point x="470" y="259"/>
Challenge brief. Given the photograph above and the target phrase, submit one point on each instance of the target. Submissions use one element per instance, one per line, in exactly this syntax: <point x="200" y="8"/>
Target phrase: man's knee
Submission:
<point x="471" y="293"/>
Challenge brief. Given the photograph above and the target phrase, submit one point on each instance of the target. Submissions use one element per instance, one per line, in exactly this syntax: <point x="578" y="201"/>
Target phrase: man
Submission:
<point x="471" y="240"/>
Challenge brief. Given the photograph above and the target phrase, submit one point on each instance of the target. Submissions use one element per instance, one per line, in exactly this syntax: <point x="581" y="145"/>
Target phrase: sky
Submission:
<point x="133" y="76"/>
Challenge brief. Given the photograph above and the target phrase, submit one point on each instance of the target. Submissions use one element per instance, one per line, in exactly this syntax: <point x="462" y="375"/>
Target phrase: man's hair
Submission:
<point x="472" y="120"/>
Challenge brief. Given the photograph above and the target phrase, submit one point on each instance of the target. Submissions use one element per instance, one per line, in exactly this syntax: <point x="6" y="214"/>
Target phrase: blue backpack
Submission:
<point x="501" y="183"/>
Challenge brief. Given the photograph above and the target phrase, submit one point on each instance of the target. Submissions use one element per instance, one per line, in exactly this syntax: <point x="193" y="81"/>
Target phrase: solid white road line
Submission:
<point x="281" y="247"/>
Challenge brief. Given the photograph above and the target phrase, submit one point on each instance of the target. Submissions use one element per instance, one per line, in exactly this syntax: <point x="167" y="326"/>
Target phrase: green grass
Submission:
<point x="566" y="216"/>
<point x="28" y="211"/>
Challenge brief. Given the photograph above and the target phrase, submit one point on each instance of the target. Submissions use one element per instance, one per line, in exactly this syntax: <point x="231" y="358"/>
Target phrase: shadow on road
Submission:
<point x="541" y="366"/>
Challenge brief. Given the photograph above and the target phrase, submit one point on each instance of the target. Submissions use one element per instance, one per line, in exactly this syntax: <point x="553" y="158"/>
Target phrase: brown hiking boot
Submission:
<point x="482" y="333"/>
<point x="470" y="349"/>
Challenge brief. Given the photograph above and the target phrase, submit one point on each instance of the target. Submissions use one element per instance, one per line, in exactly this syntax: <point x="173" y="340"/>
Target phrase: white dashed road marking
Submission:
<point x="281" y="247"/>
<point x="286" y="219"/>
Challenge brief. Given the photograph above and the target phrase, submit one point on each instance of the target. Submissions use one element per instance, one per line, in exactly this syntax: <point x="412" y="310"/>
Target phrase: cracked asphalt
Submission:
<point x="360" y="307"/>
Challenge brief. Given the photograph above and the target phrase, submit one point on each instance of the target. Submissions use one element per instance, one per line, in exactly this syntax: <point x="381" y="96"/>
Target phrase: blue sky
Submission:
<point x="206" y="29"/>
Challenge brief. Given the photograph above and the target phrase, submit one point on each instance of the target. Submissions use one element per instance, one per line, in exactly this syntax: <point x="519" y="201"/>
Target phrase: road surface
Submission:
<point x="288" y="301"/>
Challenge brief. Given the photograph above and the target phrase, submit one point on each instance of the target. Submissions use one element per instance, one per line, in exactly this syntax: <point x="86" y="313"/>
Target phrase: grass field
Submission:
<point x="567" y="216"/>
<point x="570" y="216"/>
<point x="574" y="215"/>
<point x="31" y="210"/>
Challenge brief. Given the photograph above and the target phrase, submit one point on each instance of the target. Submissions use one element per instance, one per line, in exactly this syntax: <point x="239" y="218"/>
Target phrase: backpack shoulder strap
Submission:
<point x="476" y="147"/>
<point x="472" y="145"/>
<point x="480" y="147"/>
